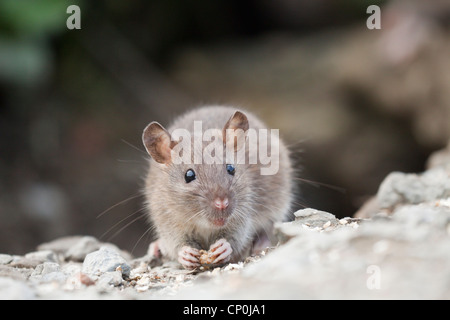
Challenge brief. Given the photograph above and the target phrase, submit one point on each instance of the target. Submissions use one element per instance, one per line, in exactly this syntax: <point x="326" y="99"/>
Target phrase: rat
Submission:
<point x="228" y="208"/>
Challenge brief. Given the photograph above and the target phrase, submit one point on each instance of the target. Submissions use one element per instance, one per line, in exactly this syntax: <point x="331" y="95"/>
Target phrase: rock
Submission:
<point x="11" y="289"/>
<point x="42" y="256"/>
<point x="410" y="248"/>
<point x="77" y="281"/>
<point x="33" y="259"/>
<point x="5" y="259"/>
<point x="310" y="220"/>
<point x="75" y="248"/>
<point x="400" y="188"/>
<point x="81" y="248"/>
<point x="24" y="263"/>
<point x="71" y="268"/>
<point x="54" y="277"/>
<point x="105" y="260"/>
<point x="45" y="268"/>
<point x="314" y="218"/>
<point x="434" y="216"/>
<point x="9" y="271"/>
<point x="440" y="158"/>
<point x="109" y="279"/>
<point x="368" y="209"/>
<point x="48" y="272"/>
<point x="60" y="245"/>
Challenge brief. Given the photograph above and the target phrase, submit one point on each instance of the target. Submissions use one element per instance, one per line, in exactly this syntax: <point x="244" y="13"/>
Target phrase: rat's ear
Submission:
<point x="157" y="142"/>
<point x="235" y="130"/>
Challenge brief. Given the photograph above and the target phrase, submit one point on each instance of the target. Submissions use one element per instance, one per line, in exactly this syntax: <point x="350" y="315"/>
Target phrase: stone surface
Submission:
<point x="75" y="248"/>
<point x="400" y="188"/>
<point x="105" y="260"/>
<point x="5" y="259"/>
<point x="311" y="220"/>
<point x="412" y="261"/>
<point x="42" y="256"/>
<point x="11" y="289"/>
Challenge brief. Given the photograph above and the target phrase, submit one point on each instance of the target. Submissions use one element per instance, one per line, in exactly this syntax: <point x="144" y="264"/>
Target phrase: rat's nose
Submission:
<point x="221" y="203"/>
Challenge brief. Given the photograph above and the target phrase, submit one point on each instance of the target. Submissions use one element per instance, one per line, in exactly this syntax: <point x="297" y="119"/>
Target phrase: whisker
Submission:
<point x="129" y="161"/>
<point x="122" y="220"/>
<point x="127" y="225"/>
<point x="196" y="214"/>
<point x="320" y="184"/>
<point x="140" y="238"/>
<point x="133" y="146"/>
<point x="134" y="196"/>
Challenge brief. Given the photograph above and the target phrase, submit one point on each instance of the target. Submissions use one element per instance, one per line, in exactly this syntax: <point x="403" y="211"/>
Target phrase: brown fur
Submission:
<point x="181" y="211"/>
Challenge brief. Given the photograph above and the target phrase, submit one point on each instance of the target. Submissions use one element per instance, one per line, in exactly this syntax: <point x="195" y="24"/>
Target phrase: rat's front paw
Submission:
<point x="189" y="257"/>
<point x="221" y="251"/>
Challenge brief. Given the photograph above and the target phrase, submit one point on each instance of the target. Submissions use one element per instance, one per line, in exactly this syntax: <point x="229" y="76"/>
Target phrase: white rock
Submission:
<point x="45" y="268"/>
<point x="109" y="279"/>
<point x="5" y="258"/>
<point x="105" y="260"/>
<point x="42" y="256"/>
<point x="54" y="277"/>
<point x="400" y="188"/>
<point x="71" y="268"/>
<point x="84" y="246"/>
<point x="11" y="289"/>
<point x="48" y="272"/>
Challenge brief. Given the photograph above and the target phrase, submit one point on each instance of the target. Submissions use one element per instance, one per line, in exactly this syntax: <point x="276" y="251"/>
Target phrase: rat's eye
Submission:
<point x="189" y="176"/>
<point x="231" y="169"/>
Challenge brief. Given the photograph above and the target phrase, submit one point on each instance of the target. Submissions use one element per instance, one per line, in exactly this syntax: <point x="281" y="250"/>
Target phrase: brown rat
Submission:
<point x="227" y="208"/>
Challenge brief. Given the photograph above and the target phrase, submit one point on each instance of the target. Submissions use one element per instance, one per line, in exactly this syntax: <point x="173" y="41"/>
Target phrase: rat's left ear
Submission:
<point x="235" y="130"/>
<point x="157" y="142"/>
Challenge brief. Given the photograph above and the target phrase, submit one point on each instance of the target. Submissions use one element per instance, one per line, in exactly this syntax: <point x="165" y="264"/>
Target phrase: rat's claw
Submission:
<point x="188" y="257"/>
<point x="221" y="250"/>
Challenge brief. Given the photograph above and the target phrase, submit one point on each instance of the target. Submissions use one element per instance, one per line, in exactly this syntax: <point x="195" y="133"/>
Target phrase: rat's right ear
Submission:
<point x="157" y="142"/>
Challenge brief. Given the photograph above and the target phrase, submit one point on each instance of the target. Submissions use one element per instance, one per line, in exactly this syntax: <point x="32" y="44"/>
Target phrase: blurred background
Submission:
<point x="353" y="104"/>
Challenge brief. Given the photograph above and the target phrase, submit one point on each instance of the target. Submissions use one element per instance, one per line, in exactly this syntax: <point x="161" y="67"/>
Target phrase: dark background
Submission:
<point x="353" y="104"/>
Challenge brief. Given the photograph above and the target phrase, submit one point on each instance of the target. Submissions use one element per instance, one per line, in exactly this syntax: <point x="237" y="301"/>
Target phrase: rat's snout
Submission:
<point x="221" y="203"/>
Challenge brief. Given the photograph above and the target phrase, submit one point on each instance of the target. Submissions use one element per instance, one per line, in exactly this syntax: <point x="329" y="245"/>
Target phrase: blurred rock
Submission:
<point x="399" y="188"/>
<point x="46" y="267"/>
<point x="42" y="256"/>
<point x="109" y="278"/>
<point x="11" y="289"/>
<point x="16" y="273"/>
<point x="440" y="158"/>
<point x="5" y="258"/>
<point x="48" y="272"/>
<point x="75" y="248"/>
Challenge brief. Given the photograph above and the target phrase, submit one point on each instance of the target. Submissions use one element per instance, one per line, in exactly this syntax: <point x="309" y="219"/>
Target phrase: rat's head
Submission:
<point x="207" y="193"/>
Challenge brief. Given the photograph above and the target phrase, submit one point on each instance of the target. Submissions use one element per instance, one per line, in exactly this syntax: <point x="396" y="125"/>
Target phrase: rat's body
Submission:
<point x="230" y="209"/>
